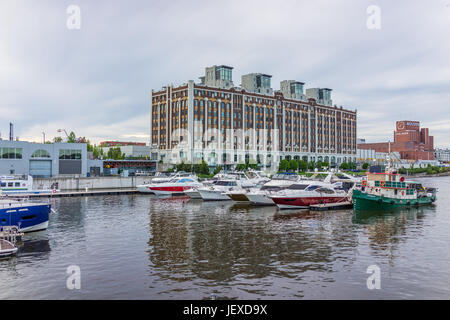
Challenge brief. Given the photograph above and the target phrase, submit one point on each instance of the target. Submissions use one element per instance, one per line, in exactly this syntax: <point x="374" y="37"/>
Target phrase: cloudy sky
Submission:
<point x="96" y="80"/>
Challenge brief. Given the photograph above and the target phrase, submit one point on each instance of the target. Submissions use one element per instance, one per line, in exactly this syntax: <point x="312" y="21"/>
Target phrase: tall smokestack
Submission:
<point x="11" y="131"/>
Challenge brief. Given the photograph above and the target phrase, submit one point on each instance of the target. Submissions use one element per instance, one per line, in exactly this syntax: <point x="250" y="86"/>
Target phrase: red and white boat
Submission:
<point x="175" y="186"/>
<point x="301" y="195"/>
<point x="163" y="177"/>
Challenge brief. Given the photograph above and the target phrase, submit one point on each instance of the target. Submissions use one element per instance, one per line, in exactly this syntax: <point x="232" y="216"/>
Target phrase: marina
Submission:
<point x="190" y="249"/>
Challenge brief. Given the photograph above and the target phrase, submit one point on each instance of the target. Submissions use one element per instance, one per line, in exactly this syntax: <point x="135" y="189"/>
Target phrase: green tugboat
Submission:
<point x="390" y="190"/>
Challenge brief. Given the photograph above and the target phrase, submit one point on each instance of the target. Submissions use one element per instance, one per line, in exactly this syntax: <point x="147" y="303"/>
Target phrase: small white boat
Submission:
<point x="7" y="248"/>
<point x="15" y="184"/>
<point x="176" y="186"/>
<point x="280" y="181"/>
<point x="218" y="191"/>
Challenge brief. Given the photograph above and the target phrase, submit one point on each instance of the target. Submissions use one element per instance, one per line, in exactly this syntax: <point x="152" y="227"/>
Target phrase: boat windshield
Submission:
<point x="325" y="190"/>
<point x="163" y="174"/>
<point x="312" y="188"/>
<point x="271" y="188"/>
<point x="298" y="186"/>
<point x="226" y="183"/>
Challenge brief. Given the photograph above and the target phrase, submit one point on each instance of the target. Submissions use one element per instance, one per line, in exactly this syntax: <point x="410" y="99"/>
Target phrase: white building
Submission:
<point x="442" y="155"/>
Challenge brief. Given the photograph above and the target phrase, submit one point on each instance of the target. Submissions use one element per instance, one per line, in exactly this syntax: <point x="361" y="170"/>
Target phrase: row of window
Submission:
<point x="66" y="154"/>
<point x="11" y="153"/>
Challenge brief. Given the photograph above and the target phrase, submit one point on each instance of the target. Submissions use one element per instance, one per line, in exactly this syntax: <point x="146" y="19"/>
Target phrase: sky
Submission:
<point x="96" y="80"/>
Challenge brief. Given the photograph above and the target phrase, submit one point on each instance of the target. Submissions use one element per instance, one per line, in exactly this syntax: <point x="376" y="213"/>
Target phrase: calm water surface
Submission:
<point x="142" y="247"/>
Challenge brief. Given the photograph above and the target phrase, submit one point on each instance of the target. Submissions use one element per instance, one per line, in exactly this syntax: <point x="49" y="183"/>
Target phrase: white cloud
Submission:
<point x="96" y="81"/>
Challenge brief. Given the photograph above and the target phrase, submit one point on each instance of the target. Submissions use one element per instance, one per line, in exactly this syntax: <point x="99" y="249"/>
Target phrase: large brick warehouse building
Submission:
<point x="228" y="124"/>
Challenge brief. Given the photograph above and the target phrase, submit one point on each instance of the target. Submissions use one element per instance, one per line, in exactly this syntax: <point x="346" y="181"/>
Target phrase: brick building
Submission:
<point x="411" y="141"/>
<point x="228" y="124"/>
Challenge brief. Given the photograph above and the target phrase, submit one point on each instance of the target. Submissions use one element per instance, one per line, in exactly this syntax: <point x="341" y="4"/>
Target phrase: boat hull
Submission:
<point x="213" y="195"/>
<point x="193" y="194"/>
<point x="144" y="189"/>
<point x="304" y="202"/>
<point x="363" y="201"/>
<point x="170" y="191"/>
<point x="240" y="197"/>
<point x="260" y="200"/>
<point x="27" y="218"/>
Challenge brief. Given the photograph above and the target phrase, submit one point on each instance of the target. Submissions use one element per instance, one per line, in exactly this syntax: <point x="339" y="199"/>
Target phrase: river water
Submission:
<point x="142" y="247"/>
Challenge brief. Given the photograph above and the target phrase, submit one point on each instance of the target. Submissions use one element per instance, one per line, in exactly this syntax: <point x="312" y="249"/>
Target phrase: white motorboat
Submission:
<point x="176" y="186"/>
<point x="303" y="195"/>
<point x="163" y="177"/>
<point x="218" y="191"/>
<point x="16" y="184"/>
<point x="280" y="181"/>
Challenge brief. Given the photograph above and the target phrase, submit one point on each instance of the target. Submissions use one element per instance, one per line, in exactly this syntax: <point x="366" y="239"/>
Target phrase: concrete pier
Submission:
<point x="92" y="183"/>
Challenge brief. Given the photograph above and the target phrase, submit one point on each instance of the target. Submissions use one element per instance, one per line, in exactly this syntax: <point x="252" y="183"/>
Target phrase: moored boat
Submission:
<point x="176" y="186"/>
<point x="218" y="191"/>
<point x="280" y="181"/>
<point x="390" y="190"/>
<point x="7" y="248"/>
<point x="16" y="185"/>
<point x="303" y="195"/>
<point x="28" y="216"/>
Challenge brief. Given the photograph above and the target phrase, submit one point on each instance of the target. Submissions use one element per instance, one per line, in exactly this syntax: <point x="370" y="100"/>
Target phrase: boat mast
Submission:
<point x="389" y="158"/>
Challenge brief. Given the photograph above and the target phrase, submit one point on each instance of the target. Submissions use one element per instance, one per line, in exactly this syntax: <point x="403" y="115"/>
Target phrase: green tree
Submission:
<point x="241" y="167"/>
<point x="344" y="166"/>
<point x="311" y="165"/>
<point x="115" y="154"/>
<point x="57" y="139"/>
<point x="204" y="167"/>
<point x="365" y="166"/>
<point x="284" y="165"/>
<point x="302" y="165"/>
<point x="72" y="138"/>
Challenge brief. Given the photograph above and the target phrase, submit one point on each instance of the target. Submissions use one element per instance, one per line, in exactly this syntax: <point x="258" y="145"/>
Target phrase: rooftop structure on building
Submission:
<point x="218" y="77"/>
<point x="257" y="83"/>
<point x="292" y="89"/>
<point x="321" y="95"/>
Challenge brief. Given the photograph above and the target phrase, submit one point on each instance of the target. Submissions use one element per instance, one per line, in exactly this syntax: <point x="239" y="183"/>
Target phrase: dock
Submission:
<point x="76" y="193"/>
<point x="331" y="206"/>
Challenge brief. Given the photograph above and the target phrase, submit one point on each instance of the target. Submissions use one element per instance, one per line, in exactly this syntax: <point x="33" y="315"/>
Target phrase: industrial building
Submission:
<point x="42" y="160"/>
<point x="223" y="124"/>
<point x="410" y="141"/>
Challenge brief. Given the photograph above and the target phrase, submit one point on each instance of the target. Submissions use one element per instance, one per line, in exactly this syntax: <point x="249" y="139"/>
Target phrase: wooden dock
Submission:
<point x="76" y="193"/>
<point x="332" y="206"/>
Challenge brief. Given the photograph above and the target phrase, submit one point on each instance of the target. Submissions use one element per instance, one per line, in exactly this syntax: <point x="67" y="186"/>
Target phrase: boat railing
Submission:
<point x="6" y="202"/>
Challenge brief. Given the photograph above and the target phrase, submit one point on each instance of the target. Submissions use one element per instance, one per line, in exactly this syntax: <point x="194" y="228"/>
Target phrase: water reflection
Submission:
<point x="183" y="249"/>
<point x="222" y="241"/>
